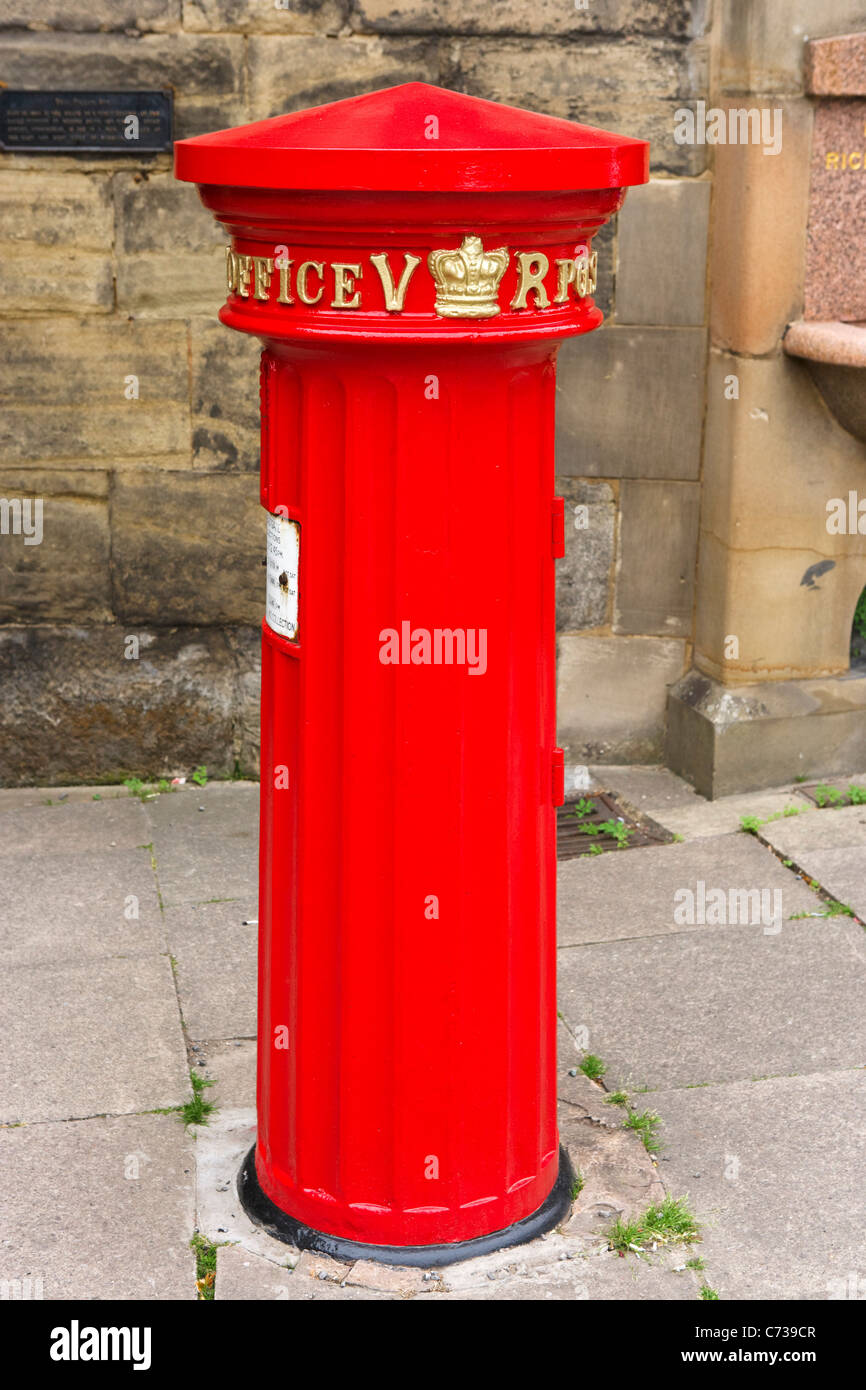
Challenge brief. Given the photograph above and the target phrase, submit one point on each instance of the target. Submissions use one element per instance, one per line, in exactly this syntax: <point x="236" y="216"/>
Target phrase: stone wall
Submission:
<point x="128" y="638"/>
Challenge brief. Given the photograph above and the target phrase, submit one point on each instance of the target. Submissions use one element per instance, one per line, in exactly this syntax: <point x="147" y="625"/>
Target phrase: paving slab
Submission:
<point x="99" y="1209"/>
<point x="216" y="967"/>
<point x="633" y="893"/>
<point x="721" y="817"/>
<point x="195" y="867"/>
<point x="645" y="786"/>
<point x="74" y="906"/>
<point x="774" y="1169"/>
<point x="232" y="1068"/>
<point x="842" y="827"/>
<point x="620" y="1278"/>
<point x="241" y="1275"/>
<point x="841" y="873"/>
<point x="218" y="808"/>
<point x="15" y="798"/>
<point x="75" y="827"/>
<point x="721" y="1004"/>
<point x="94" y="1037"/>
<point x="597" y="1276"/>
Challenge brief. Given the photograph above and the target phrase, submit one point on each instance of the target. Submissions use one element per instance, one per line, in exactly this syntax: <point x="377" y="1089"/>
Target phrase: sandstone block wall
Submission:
<point x="132" y="413"/>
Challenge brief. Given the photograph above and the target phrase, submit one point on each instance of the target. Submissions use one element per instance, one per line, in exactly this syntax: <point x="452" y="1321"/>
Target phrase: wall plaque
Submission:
<point x="70" y="122"/>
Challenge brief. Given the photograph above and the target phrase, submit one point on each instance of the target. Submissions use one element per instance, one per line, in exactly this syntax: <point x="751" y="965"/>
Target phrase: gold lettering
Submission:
<point x="344" y="284"/>
<point x="231" y="270"/>
<point x="532" y="267"/>
<point x="395" y="298"/>
<point x="859" y="158"/>
<point x="564" y="278"/>
<point x="581" y="272"/>
<point x="245" y="268"/>
<point x="285" y="268"/>
<point x="303" y="271"/>
<point x="831" y="160"/>
<point x="263" y="269"/>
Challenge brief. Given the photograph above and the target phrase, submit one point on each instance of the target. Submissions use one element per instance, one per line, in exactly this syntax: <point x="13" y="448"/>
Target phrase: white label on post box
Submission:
<point x="281" y="596"/>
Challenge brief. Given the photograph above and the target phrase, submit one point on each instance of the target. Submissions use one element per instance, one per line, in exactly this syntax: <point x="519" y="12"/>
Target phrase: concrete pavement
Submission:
<point x="130" y="959"/>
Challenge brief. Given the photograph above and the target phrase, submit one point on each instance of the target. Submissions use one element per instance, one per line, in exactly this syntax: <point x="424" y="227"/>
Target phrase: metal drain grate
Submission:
<point x="574" y="840"/>
<point x="833" y="793"/>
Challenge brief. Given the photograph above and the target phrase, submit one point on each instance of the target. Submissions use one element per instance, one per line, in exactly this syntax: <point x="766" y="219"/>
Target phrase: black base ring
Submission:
<point x="276" y="1222"/>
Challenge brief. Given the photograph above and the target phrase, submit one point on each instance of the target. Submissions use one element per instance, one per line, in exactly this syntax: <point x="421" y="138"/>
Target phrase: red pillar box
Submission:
<point x="411" y="261"/>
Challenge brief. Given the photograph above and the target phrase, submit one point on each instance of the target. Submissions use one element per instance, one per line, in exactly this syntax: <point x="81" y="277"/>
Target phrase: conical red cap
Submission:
<point x="414" y="137"/>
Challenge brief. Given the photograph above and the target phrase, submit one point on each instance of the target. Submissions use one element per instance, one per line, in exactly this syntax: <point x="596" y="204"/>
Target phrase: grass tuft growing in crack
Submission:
<point x="752" y="824"/>
<point x="196" y="1111"/>
<point x="707" y="1293"/>
<point x="833" y="909"/>
<point x="205" y="1266"/>
<point x="593" y="1067"/>
<point x="664" y="1223"/>
<point x="645" y="1123"/>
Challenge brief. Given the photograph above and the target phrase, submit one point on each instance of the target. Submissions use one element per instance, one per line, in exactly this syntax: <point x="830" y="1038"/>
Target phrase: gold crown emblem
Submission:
<point x="467" y="280"/>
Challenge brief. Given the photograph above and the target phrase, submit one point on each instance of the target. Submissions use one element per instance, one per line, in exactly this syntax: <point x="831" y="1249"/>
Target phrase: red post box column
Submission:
<point x="411" y="261"/>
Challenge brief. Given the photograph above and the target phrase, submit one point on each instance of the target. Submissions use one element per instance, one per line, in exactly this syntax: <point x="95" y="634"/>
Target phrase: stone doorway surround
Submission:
<point x="771" y="693"/>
